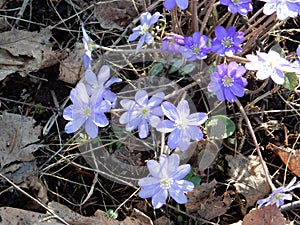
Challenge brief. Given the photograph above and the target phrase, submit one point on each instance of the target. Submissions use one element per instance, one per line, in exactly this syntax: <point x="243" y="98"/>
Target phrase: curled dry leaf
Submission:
<point x="288" y="156"/>
<point x="203" y="202"/>
<point x="23" y="51"/>
<point x="117" y="14"/>
<point x="249" y="177"/>
<point x="267" y="215"/>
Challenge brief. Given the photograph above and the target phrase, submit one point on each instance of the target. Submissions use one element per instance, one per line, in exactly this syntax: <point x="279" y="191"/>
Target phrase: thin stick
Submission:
<point x="35" y="200"/>
<point x="264" y="165"/>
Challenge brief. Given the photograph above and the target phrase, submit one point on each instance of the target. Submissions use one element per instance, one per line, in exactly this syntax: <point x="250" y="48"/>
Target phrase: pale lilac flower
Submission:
<point x="227" y="42"/>
<point x="172" y="43"/>
<point x="269" y="64"/>
<point x="283" y="8"/>
<point x="142" y="111"/>
<point x="278" y="196"/>
<point x="89" y="46"/>
<point x="296" y="63"/>
<point x="195" y="47"/>
<point x="238" y="6"/>
<point x="183" y="126"/>
<point x="147" y="21"/>
<point x="101" y="81"/>
<point x="182" y="4"/>
<point x="86" y="110"/>
<point x="166" y="178"/>
<point x="228" y="82"/>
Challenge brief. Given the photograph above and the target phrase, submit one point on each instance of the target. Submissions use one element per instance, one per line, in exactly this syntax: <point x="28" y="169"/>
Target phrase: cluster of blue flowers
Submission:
<point x="92" y="98"/>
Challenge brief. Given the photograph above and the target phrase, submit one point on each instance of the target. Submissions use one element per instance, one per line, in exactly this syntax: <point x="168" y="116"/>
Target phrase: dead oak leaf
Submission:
<point x="267" y="215"/>
<point x="17" y="137"/>
<point x="249" y="178"/>
<point x="205" y="204"/>
<point x="288" y="156"/>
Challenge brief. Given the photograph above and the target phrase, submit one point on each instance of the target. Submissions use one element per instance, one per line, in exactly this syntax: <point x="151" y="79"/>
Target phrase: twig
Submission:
<point x="264" y="165"/>
<point x="290" y="206"/>
<point x="35" y="200"/>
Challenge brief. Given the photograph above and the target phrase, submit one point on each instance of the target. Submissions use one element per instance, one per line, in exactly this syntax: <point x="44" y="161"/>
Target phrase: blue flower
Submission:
<point x="227" y="82"/>
<point x="182" y="4"/>
<point x="89" y="46"/>
<point x="101" y="81"/>
<point x="166" y="178"/>
<point x="172" y="43"/>
<point x="269" y="64"/>
<point x="195" y="47"/>
<point x="238" y="6"/>
<point x="227" y="42"/>
<point x="284" y="9"/>
<point x="147" y="21"/>
<point x="86" y="110"/>
<point x="142" y="111"/>
<point x="182" y="125"/>
<point x="278" y="196"/>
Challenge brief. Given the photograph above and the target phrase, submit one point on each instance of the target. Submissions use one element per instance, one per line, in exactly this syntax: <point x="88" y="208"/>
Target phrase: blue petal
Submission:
<point x="133" y="36"/>
<point x="184" y="142"/>
<point x="194" y="133"/>
<point x="183" y="108"/>
<point x="103" y="75"/>
<point x="182" y="171"/>
<point x="169" y="4"/>
<point x="182" y="4"/>
<point x="141" y="97"/>
<point x="153" y="167"/>
<point x="178" y="196"/>
<point x="173" y="164"/>
<point x="90" y="77"/>
<point x="174" y="138"/>
<point x="91" y="128"/>
<point x="183" y="185"/>
<point x="149" y="181"/>
<point x="101" y="120"/>
<point x="196" y="119"/>
<point x="159" y="199"/>
<point x="156" y="99"/>
<point x="166" y="126"/>
<point x="170" y="111"/>
<point x="149" y="191"/>
<point x="143" y="129"/>
<point x="74" y="125"/>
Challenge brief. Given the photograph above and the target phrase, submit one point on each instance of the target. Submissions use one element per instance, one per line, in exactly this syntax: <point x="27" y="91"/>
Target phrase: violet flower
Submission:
<point x="172" y="43"/>
<point x="195" y="47"/>
<point x="182" y="4"/>
<point x="278" y="196"/>
<point x="101" y="81"/>
<point x="269" y="64"/>
<point x="227" y="42"/>
<point x="238" y="6"/>
<point x="86" y="110"/>
<point x="89" y="46"/>
<point x="227" y="82"/>
<point x="142" y="111"/>
<point x="147" y="21"/>
<point x="182" y="125"/>
<point x="283" y="8"/>
<point x="166" y="178"/>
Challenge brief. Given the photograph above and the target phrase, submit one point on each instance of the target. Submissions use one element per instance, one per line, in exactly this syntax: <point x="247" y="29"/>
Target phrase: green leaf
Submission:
<point x="111" y="213"/>
<point x="290" y="81"/>
<point x="176" y="65"/>
<point x="187" y="69"/>
<point x="156" y="69"/>
<point x="219" y="127"/>
<point x="192" y="178"/>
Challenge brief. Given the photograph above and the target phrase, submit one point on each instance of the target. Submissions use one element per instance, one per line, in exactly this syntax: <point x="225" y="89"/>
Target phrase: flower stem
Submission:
<point x="264" y="165"/>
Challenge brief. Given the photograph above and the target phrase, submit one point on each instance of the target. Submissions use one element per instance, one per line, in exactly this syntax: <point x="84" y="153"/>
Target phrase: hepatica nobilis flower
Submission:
<point x="228" y="82"/>
<point x="269" y="64"/>
<point x="182" y="4"/>
<point x="278" y="196"/>
<point x="283" y="8"/>
<point x="86" y="110"/>
<point x="142" y="31"/>
<point x="183" y="126"/>
<point x="238" y="6"/>
<point x="166" y="178"/>
<point x="142" y="111"/>
<point x="227" y="42"/>
<point x="195" y="47"/>
<point x="101" y="81"/>
<point x="89" y="46"/>
<point x="172" y="43"/>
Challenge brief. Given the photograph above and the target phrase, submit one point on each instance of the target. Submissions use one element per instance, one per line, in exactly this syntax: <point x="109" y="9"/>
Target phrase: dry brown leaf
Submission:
<point x="13" y="216"/>
<point x="267" y="215"/>
<point x="23" y="51"/>
<point x="117" y="14"/>
<point x="17" y="137"/>
<point x="204" y="204"/>
<point x="288" y="156"/>
<point x="71" y="68"/>
<point x="249" y="178"/>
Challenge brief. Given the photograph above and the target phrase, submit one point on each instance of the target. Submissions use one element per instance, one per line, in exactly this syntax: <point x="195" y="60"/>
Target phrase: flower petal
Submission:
<point x="159" y="199"/>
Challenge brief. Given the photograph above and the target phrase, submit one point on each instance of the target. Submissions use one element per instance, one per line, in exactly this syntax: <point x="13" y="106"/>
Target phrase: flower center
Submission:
<point x="235" y="2"/>
<point x="226" y="42"/>
<point x="144" y="29"/>
<point x="227" y="81"/>
<point x="87" y="112"/>
<point x="145" y="111"/>
<point x="166" y="183"/>
<point x="196" y="50"/>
